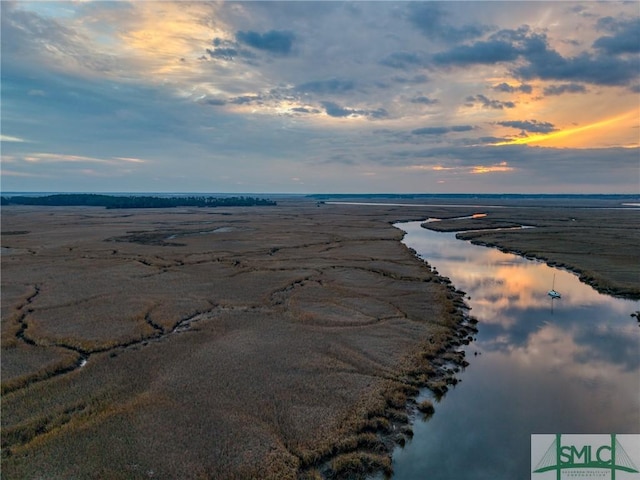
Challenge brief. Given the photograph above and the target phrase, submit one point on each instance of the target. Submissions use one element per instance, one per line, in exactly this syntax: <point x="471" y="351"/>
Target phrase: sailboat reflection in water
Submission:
<point x="552" y="293"/>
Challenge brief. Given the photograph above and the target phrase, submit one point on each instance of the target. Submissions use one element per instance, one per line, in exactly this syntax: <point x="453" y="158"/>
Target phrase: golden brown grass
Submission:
<point x="285" y="346"/>
<point x="250" y="347"/>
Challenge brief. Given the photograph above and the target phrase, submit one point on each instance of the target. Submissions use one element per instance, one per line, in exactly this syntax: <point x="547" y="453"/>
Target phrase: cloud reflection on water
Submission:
<point x="545" y="366"/>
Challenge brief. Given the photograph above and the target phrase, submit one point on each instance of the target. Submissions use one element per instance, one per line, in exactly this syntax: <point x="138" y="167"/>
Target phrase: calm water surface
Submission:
<point x="538" y="366"/>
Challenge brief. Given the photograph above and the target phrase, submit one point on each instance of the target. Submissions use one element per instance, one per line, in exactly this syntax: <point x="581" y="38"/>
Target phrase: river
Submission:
<point x="538" y="365"/>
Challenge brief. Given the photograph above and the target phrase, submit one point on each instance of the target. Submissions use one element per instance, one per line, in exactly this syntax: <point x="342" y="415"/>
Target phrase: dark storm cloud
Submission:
<point x="625" y="38"/>
<point x="529" y="125"/>
<point x="332" y="86"/>
<point x="441" y="130"/>
<point x="430" y="18"/>
<point x="564" y="88"/>
<point x="274" y="41"/>
<point x="423" y="100"/>
<point x="488" y="102"/>
<point x="506" y="88"/>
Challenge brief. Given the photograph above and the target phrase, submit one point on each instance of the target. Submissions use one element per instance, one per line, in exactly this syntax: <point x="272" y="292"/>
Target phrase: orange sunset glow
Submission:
<point x="596" y="134"/>
<point x="475" y="97"/>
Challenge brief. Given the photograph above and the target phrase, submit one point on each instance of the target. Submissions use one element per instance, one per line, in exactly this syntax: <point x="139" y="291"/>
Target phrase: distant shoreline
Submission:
<point x="322" y="196"/>
<point x="133" y="201"/>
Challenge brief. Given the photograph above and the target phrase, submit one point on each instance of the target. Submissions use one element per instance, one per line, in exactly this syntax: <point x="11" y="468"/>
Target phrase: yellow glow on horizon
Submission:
<point x="501" y="167"/>
<point x="562" y="134"/>
<point x="474" y="170"/>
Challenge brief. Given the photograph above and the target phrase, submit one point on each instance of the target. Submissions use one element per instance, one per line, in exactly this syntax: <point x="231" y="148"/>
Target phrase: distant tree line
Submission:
<point x="141" y="201"/>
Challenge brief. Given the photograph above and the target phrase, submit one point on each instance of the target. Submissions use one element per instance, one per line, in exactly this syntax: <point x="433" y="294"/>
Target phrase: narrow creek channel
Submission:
<point x="538" y="365"/>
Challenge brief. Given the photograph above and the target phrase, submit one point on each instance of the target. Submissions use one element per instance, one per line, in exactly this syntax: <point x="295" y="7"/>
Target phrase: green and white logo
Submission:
<point x="602" y="457"/>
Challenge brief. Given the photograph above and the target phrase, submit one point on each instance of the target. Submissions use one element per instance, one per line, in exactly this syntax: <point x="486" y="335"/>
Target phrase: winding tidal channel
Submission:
<point x="538" y="365"/>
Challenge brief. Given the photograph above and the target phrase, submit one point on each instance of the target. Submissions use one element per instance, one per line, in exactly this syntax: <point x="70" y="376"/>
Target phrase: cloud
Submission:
<point x="461" y="128"/>
<point x="547" y="64"/>
<point x="335" y="110"/>
<point x="213" y="101"/>
<point x="583" y="164"/>
<point x="599" y="70"/>
<point x="223" y="53"/>
<point x="506" y="45"/>
<point x="486" y="102"/>
<point x="529" y="125"/>
<point x="275" y="41"/>
<point x="421" y="99"/>
<point x="484" y="52"/>
<point x="473" y="170"/>
<point x="9" y="138"/>
<point x="30" y="37"/>
<point x="441" y="130"/>
<point x="245" y="99"/>
<point x="564" y="88"/>
<point x="333" y="86"/>
<point x="538" y="60"/>
<point x="416" y="79"/>
<point x="228" y="50"/>
<point x="66" y="158"/>
<point x="404" y="60"/>
<point x="626" y="38"/>
<point x="484" y="169"/>
<point x="188" y="76"/>
<point x="430" y="19"/>
<point x="430" y="131"/>
<point x="303" y="110"/>
<point x="506" y="88"/>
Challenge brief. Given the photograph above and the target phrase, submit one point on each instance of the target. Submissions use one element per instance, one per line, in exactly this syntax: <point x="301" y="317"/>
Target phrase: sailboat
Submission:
<point x="552" y="293"/>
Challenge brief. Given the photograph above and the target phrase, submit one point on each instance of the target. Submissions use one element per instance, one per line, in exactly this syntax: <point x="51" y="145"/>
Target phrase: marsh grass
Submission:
<point x="304" y="335"/>
<point x="580" y="240"/>
<point x="24" y="364"/>
<point x="357" y="465"/>
<point x="426" y="408"/>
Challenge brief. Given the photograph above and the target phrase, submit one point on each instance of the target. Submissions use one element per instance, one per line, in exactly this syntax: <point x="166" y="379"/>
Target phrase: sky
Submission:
<point x="320" y="97"/>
